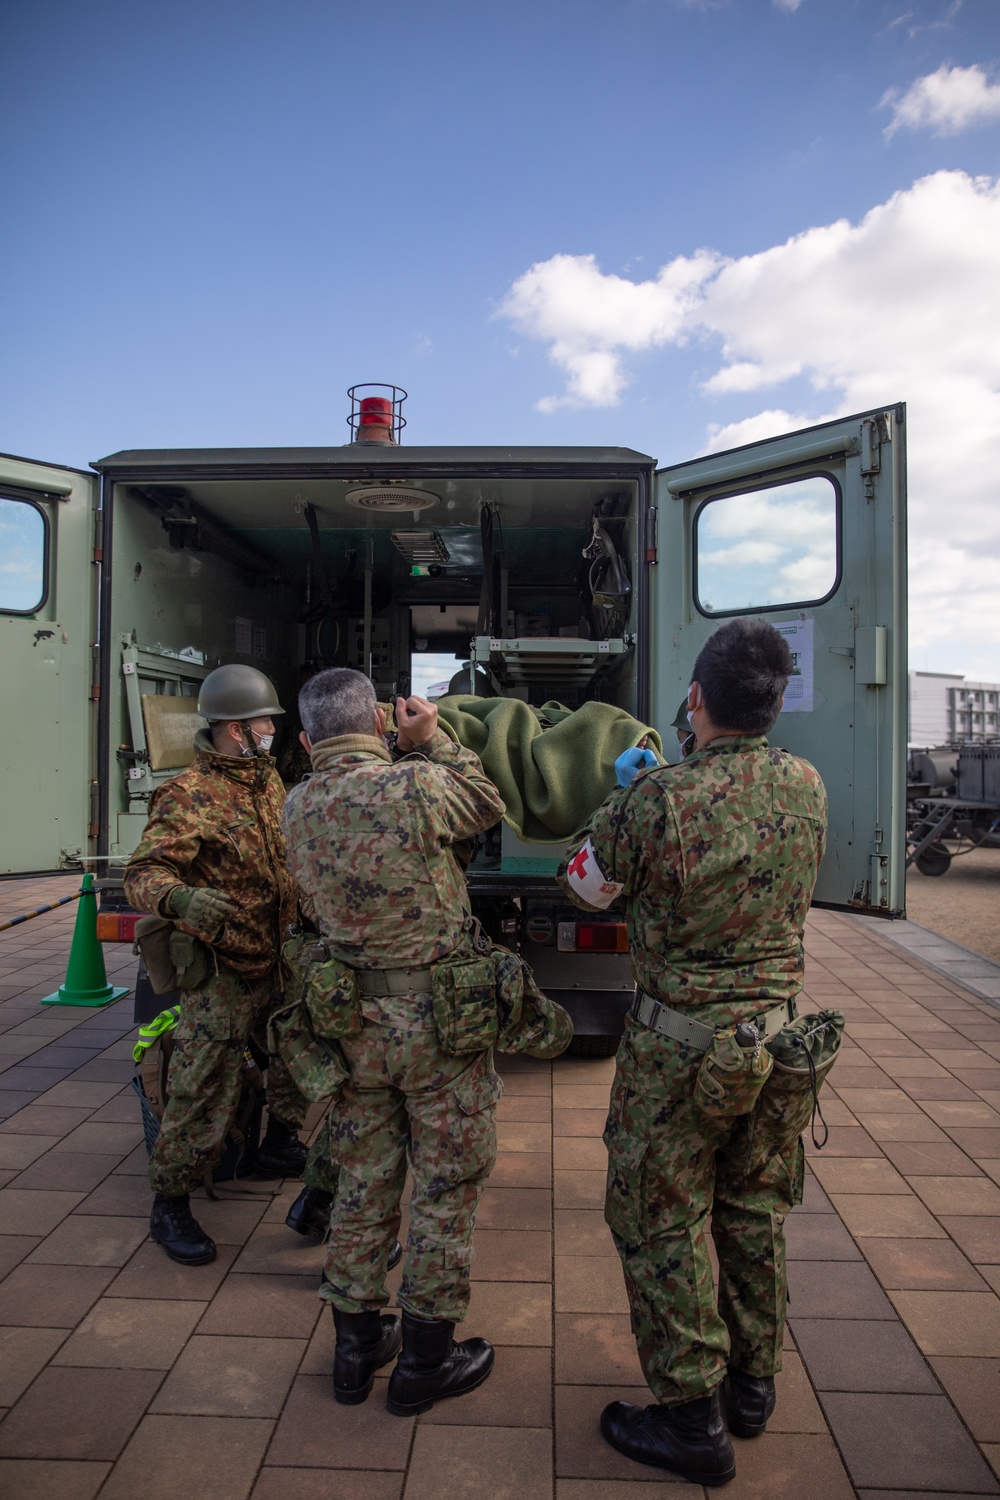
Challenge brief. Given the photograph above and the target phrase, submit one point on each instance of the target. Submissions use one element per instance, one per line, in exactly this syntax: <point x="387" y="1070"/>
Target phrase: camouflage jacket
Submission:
<point x="218" y="824"/>
<point x="368" y="840"/>
<point x="715" y="860"/>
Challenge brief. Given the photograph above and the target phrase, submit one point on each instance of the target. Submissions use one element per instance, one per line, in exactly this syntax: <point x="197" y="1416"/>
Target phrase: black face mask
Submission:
<point x="687" y="745"/>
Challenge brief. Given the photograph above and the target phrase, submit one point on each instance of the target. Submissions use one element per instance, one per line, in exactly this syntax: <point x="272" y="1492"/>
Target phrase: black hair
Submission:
<point x="337" y="701"/>
<point x="742" y="671"/>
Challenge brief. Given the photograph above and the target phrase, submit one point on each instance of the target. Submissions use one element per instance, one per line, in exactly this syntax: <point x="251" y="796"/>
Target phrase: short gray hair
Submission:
<point x="338" y="701"/>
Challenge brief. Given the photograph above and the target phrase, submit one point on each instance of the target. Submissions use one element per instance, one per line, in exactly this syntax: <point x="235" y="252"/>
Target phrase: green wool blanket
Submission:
<point x="552" y="765"/>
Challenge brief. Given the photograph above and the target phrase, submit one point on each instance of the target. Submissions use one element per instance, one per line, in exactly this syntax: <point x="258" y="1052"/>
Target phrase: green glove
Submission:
<point x="201" y="908"/>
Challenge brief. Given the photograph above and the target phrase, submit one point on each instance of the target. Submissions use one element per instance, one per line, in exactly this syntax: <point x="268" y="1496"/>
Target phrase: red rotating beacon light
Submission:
<point x="376" y="418"/>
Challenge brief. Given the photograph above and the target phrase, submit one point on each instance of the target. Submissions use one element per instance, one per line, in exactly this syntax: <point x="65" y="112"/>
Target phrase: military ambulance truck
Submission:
<point x="562" y="575"/>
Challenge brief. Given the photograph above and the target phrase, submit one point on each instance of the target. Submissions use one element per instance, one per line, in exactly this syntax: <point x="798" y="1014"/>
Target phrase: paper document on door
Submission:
<point x="799" y="692"/>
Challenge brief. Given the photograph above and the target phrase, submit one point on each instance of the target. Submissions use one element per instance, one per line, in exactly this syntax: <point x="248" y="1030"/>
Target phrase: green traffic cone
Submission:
<point x="86" y="980"/>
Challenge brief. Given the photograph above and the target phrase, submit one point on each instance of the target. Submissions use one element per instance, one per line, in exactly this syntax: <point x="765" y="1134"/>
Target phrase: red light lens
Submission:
<point x="602" y="937"/>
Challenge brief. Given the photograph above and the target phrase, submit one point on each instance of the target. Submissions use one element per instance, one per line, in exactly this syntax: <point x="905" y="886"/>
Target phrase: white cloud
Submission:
<point x="588" y="318"/>
<point x="946" y="102"/>
<point x="788" y="6"/>
<point x="903" y="305"/>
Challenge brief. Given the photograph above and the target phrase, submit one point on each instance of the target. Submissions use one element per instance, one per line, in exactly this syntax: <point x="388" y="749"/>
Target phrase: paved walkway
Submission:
<point x="124" y="1375"/>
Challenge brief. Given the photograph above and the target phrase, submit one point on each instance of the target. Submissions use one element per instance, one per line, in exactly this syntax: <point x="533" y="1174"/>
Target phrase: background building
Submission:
<point x="945" y="709"/>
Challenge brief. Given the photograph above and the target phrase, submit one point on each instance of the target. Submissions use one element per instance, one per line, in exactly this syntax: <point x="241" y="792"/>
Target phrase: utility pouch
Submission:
<point x="464" y="997"/>
<point x="193" y="960"/>
<point x="733" y="1071"/>
<point x="325" y="985"/>
<point x="152" y="943"/>
<point x="315" y="1063"/>
<point x="528" y="1021"/>
<point x="803" y="1054"/>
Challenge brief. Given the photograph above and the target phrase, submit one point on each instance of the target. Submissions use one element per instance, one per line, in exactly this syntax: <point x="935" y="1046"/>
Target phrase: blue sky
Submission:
<point x="224" y="214"/>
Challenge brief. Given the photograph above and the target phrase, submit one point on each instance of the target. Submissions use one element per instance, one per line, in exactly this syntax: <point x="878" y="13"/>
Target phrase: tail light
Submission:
<point x="593" y="937"/>
<point x="117" y="926"/>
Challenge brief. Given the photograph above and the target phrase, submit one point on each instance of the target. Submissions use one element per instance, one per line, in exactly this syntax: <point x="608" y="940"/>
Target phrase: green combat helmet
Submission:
<point x="237" y="692"/>
<point x="680" y="719"/>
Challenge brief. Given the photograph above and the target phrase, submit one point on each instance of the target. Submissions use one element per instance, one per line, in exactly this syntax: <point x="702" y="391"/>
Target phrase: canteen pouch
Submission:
<point x="316" y="1064"/>
<point x="325" y="985"/>
<point x="152" y="943"/>
<point x="464" y="997"/>
<point x="731" y="1076"/>
<point x="803" y="1054"/>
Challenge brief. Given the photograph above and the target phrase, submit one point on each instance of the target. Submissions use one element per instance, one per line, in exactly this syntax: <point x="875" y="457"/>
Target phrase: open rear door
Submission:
<point x="48" y="596"/>
<point x="808" y="531"/>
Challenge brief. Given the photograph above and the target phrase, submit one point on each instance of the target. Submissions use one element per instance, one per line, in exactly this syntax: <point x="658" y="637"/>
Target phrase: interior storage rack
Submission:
<point x="527" y="660"/>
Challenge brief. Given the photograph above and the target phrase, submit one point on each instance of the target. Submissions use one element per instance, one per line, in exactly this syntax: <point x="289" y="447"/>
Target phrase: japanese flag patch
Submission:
<point x="588" y="881"/>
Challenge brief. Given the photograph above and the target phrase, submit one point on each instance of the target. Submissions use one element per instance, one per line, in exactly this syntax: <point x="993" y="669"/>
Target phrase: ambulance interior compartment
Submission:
<point x="230" y="569"/>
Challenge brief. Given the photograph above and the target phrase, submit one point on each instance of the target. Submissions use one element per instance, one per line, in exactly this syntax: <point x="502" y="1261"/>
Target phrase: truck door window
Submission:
<point x="24" y="545"/>
<point x="768" y="548"/>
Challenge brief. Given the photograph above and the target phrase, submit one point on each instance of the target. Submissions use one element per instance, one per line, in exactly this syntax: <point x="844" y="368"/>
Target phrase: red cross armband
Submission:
<point x="588" y="881"/>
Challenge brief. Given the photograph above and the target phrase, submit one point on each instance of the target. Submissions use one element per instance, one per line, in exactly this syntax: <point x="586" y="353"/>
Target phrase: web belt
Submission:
<point x="695" y="1034"/>
<point x="376" y="982"/>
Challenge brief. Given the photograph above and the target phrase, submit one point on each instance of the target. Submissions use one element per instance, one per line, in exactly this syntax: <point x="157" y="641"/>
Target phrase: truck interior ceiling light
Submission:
<point x="421" y="546"/>
<point x="390" y="497"/>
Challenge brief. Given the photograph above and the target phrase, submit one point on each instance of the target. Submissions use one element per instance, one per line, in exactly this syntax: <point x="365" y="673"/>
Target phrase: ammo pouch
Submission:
<point x="731" y="1074"/>
<point x="326" y="986"/>
<point x="192" y="959"/>
<point x="175" y="960"/>
<point x="803" y="1054"/>
<point x="316" y="1064"/>
<point x="464" y="997"/>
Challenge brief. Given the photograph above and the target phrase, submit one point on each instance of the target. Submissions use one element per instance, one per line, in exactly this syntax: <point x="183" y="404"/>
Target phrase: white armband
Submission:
<point x="588" y="881"/>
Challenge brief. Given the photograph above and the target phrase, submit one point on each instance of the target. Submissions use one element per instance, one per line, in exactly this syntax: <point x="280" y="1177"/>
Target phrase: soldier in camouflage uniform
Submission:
<point x="715" y="860"/>
<point x="369" y="839"/>
<point x="212" y="857"/>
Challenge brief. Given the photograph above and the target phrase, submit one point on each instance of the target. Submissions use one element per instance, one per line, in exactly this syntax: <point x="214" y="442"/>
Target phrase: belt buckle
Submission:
<point x="654" y="1021"/>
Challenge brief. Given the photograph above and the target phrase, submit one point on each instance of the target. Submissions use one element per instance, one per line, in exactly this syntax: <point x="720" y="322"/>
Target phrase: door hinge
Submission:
<point x="871" y="455"/>
<point x="99" y="537"/>
<point x="878" y="892"/>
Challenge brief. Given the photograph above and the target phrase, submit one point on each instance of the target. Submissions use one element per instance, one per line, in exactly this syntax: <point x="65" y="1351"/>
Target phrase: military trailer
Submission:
<point x="573" y="575"/>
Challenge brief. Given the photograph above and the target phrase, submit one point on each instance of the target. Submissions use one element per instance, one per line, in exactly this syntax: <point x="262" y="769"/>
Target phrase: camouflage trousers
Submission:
<point x="206" y="1070"/>
<point x="407" y="1101"/>
<point x="670" y="1170"/>
<point x="321" y="1170"/>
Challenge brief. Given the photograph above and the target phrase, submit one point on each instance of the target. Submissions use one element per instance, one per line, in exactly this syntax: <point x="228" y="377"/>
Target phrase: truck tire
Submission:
<point x="593" y="1046"/>
<point x="934" y="860"/>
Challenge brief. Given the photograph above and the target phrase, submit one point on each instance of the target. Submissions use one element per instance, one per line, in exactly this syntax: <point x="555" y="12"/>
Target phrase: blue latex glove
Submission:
<point x="631" y="762"/>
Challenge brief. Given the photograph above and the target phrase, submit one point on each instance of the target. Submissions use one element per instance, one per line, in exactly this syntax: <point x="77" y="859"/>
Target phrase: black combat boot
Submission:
<point x="281" y="1153"/>
<point x="432" y="1365"/>
<point x="365" y="1341"/>
<point x="172" y="1225"/>
<point x="310" y="1213"/>
<point x="749" y="1402"/>
<point x="689" y="1439"/>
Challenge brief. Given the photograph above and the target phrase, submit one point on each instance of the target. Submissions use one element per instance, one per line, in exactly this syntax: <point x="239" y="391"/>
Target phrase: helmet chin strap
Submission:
<point x="251" y="744"/>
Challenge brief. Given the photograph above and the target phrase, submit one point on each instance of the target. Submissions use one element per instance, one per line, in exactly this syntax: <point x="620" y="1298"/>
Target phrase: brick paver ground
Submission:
<point x="122" y="1374"/>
